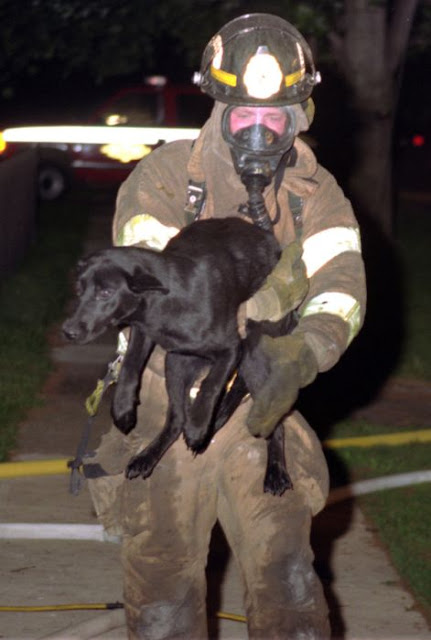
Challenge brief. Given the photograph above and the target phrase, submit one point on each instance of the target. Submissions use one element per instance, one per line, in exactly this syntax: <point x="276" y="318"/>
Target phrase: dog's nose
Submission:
<point x="69" y="332"/>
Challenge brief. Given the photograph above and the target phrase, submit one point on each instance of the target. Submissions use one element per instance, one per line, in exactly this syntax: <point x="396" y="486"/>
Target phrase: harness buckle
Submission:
<point x="196" y="197"/>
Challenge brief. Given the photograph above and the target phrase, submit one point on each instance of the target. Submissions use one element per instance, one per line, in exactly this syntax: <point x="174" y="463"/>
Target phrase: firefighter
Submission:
<point x="247" y="161"/>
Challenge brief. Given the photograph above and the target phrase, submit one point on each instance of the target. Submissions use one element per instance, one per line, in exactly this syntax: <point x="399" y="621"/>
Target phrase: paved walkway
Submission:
<point x="367" y="600"/>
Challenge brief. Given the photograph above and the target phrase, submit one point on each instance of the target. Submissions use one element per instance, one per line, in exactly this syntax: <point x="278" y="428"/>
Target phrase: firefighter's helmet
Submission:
<point x="258" y="59"/>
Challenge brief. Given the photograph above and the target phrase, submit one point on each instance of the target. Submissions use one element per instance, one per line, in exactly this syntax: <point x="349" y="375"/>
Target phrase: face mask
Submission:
<point x="258" y="137"/>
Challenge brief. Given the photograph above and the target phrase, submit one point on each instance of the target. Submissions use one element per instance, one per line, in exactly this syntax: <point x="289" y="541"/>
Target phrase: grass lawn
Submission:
<point x="31" y="301"/>
<point x="393" y="343"/>
<point x="414" y="241"/>
<point x="402" y="517"/>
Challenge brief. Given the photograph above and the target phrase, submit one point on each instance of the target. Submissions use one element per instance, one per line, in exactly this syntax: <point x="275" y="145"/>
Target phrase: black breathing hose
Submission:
<point x="255" y="208"/>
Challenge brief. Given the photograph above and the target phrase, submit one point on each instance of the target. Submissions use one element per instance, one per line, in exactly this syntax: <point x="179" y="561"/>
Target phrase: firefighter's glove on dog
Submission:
<point x="292" y="365"/>
<point x="283" y="290"/>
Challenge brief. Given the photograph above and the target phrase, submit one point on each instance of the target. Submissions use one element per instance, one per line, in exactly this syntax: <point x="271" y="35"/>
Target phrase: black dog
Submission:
<point x="184" y="298"/>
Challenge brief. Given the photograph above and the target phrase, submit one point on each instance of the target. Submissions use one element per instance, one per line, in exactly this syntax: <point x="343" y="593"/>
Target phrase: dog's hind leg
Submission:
<point x="230" y="402"/>
<point x="277" y="479"/>
<point x="126" y="397"/>
<point x="196" y="429"/>
<point x="181" y="372"/>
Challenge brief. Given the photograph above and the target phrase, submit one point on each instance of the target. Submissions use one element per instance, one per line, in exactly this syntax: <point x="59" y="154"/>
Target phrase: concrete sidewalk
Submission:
<point x="365" y="594"/>
<point x="366" y="598"/>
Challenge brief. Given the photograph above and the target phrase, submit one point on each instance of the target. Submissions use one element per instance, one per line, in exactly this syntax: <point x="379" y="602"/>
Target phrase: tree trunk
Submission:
<point x="370" y="80"/>
<point x="370" y="183"/>
<point x="370" y="54"/>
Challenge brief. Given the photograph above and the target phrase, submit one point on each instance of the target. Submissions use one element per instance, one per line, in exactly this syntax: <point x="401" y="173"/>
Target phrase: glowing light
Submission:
<point x="99" y="135"/>
<point x="418" y="140"/>
<point x="262" y="76"/>
<point x="125" y="152"/>
<point x="2" y="143"/>
<point x="115" y="119"/>
<point x="156" y="81"/>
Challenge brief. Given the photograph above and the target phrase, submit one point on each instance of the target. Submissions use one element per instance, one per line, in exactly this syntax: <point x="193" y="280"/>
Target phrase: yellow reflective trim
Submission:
<point x="293" y="78"/>
<point x="223" y="76"/>
<point x="326" y="245"/>
<point x="338" y="304"/>
<point x="147" y="229"/>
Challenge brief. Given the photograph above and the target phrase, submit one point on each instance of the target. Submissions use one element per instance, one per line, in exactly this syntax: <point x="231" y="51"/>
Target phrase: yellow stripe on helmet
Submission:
<point x="224" y="77"/>
<point x="293" y="78"/>
<point x="231" y="79"/>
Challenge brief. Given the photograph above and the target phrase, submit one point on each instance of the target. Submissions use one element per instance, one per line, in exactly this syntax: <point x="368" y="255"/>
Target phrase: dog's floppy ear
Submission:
<point x="80" y="266"/>
<point x="140" y="281"/>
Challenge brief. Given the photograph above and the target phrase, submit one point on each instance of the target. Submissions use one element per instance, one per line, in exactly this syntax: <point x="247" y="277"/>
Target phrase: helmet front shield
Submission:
<point x="258" y="59"/>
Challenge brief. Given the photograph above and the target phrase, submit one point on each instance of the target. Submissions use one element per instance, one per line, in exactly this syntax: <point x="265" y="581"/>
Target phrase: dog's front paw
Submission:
<point x="125" y="422"/>
<point x="140" y="465"/>
<point x="277" y="480"/>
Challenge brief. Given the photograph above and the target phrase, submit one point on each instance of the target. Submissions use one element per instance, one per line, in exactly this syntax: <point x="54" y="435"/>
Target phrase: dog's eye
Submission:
<point x="104" y="294"/>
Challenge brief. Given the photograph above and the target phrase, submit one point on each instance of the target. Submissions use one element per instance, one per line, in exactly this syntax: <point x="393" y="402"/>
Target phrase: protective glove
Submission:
<point x="292" y="365"/>
<point x="283" y="290"/>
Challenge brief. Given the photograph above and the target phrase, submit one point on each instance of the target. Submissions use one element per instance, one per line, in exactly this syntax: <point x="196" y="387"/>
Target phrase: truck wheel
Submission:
<point x="51" y="182"/>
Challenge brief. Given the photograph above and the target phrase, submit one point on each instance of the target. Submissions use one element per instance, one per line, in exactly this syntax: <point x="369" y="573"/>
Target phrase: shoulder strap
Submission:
<point x="296" y="205"/>
<point x="196" y="187"/>
<point x="196" y="196"/>
<point x="197" y="193"/>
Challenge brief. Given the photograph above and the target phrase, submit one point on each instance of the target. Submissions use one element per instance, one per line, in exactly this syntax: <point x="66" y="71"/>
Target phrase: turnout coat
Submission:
<point x="150" y="210"/>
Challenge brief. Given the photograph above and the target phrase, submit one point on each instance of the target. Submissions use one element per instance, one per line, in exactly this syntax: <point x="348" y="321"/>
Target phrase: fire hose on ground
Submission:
<point x="115" y="619"/>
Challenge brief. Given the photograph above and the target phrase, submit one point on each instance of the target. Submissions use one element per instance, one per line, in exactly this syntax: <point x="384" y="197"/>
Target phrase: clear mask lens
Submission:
<point x="261" y="130"/>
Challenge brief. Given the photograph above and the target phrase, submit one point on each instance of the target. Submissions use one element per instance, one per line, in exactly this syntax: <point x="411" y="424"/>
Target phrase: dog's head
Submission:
<point x="110" y="291"/>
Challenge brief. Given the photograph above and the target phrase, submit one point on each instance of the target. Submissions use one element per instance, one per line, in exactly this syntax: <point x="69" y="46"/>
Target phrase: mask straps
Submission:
<point x="288" y="160"/>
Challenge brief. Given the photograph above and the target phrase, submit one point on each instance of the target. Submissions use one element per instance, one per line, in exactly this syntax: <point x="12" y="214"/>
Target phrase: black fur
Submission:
<point x="184" y="298"/>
